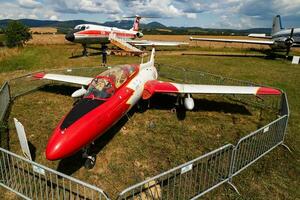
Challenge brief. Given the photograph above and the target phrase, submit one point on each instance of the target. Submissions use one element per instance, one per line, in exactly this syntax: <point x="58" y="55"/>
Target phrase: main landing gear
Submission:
<point x="90" y="157"/>
<point x="84" y="51"/>
<point x="104" y="54"/>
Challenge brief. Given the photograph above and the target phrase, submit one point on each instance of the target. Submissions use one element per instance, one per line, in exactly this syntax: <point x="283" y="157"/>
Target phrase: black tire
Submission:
<point x="90" y="162"/>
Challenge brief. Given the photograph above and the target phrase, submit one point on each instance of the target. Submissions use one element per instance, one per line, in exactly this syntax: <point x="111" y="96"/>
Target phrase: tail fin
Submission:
<point x="136" y="23"/>
<point x="276" y="24"/>
<point x="152" y="56"/>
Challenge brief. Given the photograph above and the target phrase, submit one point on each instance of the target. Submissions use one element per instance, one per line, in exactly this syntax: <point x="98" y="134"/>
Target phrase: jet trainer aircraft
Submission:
<point x="125" y="39"/>
<point x="280" y="38"/>
<point x="111" y="94"/>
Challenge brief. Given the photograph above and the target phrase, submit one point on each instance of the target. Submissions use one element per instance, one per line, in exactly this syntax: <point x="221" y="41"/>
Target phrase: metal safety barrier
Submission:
<point x="4" y="100"/>
<point x="31" y="180"/>
<point x="247" y="151"/>
<point x="186" y="181"/>
<point x="255" y="145"/>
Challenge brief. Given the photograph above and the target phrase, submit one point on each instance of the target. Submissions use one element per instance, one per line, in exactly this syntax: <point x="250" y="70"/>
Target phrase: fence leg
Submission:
<point x="233" y="186"/>
<point x="286" y="147"/>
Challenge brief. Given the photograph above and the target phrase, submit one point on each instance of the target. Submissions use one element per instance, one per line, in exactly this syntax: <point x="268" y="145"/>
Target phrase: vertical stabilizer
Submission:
<point x="276" y="24"/>
<point x="136" y="23"/>
<point x="152" y="55"/>
<point x="150" y="63"/>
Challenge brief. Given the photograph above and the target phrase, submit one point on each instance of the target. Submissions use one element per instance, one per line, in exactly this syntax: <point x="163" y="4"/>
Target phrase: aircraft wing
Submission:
<point x="155" y="86"/>
<point x="259" y="35"/>
<point x="80" y="80"/>
<point x="262" y="42"/>
<point x="155" y="43"/>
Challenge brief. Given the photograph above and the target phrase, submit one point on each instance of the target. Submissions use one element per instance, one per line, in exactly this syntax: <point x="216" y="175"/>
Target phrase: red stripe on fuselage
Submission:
<point x="105" y="33"/>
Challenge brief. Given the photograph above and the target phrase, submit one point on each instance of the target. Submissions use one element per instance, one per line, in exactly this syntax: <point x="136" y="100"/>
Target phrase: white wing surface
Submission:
<point x="155" y="86"/>
<point x="155" y="43"/>
<point x="261" y="42"/>
<point x="80" y="80"/>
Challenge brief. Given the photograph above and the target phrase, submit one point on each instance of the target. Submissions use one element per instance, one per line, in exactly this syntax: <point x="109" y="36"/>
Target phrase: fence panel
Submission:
<point x="4" y="100"/>
<point x="284" y="106"/>
<point x="255" y="145"/>
<point x="33" y="181"/>
<point x="190" y="180"/>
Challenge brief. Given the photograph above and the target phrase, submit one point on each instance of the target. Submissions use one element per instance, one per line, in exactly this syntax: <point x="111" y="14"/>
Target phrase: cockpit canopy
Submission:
<point x="81" y="27"/>
<point x="106" y="83"/>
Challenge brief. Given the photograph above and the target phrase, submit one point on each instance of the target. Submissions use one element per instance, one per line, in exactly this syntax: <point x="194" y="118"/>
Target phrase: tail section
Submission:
<point x="150" y="63"/>
<point x="276" y="24"/>
<point x="136" y="23"/>
<point x="152" y="57"/>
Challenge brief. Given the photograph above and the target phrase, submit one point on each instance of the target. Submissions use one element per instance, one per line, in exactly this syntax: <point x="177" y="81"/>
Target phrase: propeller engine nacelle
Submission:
<point x="189" y="102"/>
<point x="139" y="34"/>
<point x="78" y="93"/>
<point x="289" y="41"/>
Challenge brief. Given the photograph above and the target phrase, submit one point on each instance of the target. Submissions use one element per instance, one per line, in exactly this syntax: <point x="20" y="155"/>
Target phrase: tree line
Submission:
<point x="15" y="34"/>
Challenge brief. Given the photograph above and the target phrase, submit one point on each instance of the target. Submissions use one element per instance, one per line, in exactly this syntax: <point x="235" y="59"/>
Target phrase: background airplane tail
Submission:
<point x="152" y="57"/>
<point x="276" y="24"/>
<point x="136" y="23"/>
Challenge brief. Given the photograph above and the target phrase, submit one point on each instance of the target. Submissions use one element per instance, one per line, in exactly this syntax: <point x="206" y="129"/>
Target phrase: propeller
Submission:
<point x="289" y="42"/>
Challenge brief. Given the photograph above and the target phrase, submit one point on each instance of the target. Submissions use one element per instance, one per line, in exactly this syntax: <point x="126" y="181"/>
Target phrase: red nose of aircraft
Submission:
<point x="82" y="125"/>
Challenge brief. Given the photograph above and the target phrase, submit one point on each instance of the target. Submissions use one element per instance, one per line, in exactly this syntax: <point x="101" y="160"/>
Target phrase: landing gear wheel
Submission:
<point x="85" y="53"/>
<point x="90" y="162"/>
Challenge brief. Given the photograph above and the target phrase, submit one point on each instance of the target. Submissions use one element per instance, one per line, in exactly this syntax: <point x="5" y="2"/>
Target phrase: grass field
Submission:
<point x="43" y="30"/>
<point x="46" y="39"/>
<point x="137" y="149"/>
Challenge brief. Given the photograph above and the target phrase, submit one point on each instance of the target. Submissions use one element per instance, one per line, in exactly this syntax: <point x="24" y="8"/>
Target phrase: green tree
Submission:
<point x="16" y="34"/>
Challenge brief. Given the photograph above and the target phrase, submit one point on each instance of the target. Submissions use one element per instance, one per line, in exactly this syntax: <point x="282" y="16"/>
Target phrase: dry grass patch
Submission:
<point x="6" y="53"/>
<point x="43" y="30"/>
<point x="47" y="39"/>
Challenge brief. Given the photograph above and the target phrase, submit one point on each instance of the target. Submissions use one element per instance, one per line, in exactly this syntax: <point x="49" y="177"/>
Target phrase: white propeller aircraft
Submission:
<point x="280" y="38"/>
<point x="111" y="94"/>
<point x="125" y="39"/>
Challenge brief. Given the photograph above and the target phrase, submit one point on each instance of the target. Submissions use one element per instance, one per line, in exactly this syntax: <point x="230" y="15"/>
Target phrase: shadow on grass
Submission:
<point x="66" y="90"/>
<point x="167" y="102"/>
<point x="89" y="54"/>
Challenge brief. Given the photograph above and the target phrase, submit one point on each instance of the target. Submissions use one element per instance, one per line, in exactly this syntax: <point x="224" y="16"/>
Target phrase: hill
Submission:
<point x="149" y="28"/>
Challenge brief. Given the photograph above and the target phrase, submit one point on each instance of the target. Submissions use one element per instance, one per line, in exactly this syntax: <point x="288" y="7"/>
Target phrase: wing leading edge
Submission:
<point x="261" y="42"/>
<point x="80" y="80"/>
<point x="155" y="86"/>
<point x="155" y="43"/>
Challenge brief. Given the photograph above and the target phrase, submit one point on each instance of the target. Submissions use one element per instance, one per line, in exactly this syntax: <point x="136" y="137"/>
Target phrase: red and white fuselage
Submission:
<point x="96" y="34"/>
<point x="92" y="116"/>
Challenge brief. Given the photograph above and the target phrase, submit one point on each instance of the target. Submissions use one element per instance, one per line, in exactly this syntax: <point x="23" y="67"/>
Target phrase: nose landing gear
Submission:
<point x="90" y="162"/>
<point x="89" y="156"/>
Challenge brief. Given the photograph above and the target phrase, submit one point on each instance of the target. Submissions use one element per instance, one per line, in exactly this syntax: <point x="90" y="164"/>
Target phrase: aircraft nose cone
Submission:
<point x="70" y="37"/>
<point x="57" y="147"/>
<point x="53" y="152"/>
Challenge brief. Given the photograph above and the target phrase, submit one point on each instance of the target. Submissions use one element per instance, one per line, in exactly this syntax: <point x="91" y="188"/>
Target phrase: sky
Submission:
<point x="237" y="14"/>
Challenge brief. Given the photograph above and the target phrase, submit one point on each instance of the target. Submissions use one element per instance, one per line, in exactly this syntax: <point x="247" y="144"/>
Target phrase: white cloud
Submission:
<point x="85" y="6"/>
<point x="239" y="13"/>
<point x="29" y="3"/>
<point x="54" y="17"/>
